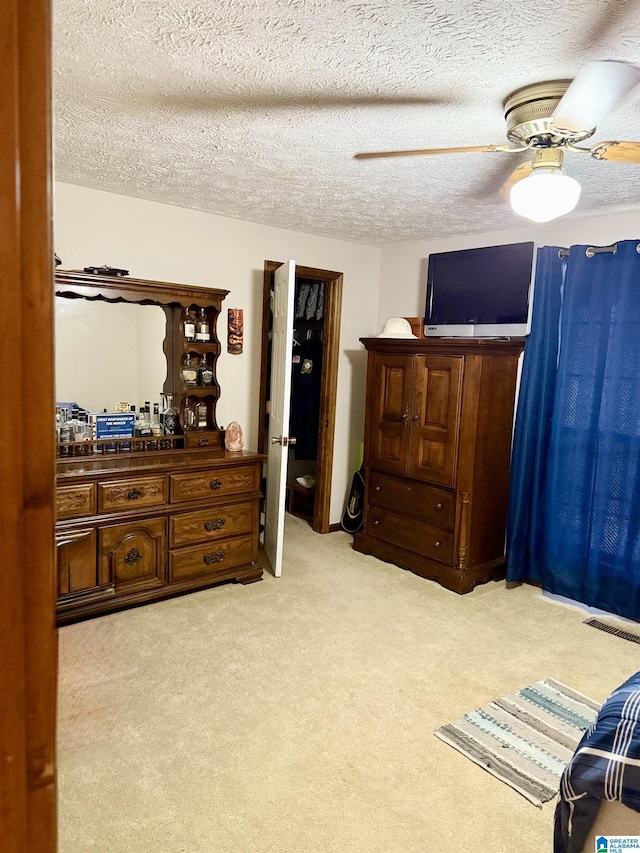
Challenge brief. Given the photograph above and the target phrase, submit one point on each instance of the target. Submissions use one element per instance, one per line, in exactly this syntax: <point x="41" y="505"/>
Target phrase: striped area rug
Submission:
<point x="526" y="739"/>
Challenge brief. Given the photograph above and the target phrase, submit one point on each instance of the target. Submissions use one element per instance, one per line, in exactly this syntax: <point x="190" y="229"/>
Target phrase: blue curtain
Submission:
<point x="574" y="514"/>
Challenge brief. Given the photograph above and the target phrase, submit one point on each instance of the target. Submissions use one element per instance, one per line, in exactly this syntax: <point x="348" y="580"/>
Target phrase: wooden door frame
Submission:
<point x="27" y="459"/>
<point x="328" y="386"/>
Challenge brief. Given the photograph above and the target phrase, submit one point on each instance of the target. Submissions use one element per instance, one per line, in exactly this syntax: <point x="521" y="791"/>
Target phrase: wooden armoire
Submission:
<point x="438" y="430"/>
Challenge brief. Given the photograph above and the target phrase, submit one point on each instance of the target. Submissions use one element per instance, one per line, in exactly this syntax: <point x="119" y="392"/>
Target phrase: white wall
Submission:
<point x="403" y="275"/>
<point x="157" y="241"/>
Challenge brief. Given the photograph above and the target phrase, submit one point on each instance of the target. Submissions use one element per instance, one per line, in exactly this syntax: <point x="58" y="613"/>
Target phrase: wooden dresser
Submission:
<point x="134" y="530"/>
<point x="143" y="518"/>
<point x="437" y="452"/>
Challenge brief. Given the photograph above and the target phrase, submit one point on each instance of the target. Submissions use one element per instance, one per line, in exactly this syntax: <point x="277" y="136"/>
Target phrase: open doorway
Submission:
<point x="318" y="302"/>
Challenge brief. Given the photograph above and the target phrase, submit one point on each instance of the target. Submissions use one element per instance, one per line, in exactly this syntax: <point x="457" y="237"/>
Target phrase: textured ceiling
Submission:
<point x="253" y="109"/>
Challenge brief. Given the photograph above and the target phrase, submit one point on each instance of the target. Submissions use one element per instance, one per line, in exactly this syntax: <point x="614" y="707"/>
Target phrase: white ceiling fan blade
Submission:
<point x="593" y="94"/>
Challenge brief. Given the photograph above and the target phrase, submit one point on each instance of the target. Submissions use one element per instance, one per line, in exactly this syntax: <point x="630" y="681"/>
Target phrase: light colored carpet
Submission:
<point x="297" y="714"/>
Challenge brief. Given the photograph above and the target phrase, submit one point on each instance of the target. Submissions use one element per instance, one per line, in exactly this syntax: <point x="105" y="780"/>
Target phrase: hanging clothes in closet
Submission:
<point x="310" y="300"/>
<point x="305" y="396"/>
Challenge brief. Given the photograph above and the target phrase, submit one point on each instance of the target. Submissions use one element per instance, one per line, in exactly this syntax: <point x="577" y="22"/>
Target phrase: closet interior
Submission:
<point x="306" y="386"/>
<point x="306" y="382"/>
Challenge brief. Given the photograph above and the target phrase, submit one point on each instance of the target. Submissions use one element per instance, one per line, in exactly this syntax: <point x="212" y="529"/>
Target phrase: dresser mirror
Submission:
<point x="106" y="352"/>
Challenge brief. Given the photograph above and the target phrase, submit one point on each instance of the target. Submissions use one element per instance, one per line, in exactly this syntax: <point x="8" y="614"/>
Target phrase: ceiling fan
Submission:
<point x="548" y="119"/>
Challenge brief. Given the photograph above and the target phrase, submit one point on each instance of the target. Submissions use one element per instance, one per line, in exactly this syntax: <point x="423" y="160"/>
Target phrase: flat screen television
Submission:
<point x="479" y="292"/>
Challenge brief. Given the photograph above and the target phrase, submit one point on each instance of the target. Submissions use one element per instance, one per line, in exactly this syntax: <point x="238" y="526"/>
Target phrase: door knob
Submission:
<point x="293" y="442"/>
<point x="282" y="439"/>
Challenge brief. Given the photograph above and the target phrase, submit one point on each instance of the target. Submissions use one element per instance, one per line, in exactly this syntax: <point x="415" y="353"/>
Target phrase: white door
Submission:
<point x="284" y="286"/>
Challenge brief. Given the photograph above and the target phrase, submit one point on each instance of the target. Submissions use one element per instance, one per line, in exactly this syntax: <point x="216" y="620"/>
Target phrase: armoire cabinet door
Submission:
<point x="435" y="418"/>
<point x="390" y="418"/>
<point x="134" y="554"/>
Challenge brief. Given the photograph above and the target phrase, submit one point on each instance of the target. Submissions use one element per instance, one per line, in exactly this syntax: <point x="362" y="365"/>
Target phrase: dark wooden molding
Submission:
<point x="77" y="284"/>
<point x="447" y="346"/>
<point x="27" y="630"/>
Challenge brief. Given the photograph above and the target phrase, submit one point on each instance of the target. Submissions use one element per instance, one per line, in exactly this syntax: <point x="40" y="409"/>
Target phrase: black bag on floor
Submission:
<point x="352" y="516"/>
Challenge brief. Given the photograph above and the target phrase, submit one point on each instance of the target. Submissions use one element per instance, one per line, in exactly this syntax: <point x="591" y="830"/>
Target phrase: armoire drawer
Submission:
<point x="213" y="483"/>
<point x="131" y="494"/>
<point x="190" y="528"/>
<point x="212" y="558"/>
<point x="408" y="533"/>
<point x="430" y="504"/>
<point x="75" y="501"/>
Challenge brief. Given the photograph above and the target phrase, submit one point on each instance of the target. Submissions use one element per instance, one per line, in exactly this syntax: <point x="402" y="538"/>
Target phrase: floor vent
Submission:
<point x="610" y="629"/>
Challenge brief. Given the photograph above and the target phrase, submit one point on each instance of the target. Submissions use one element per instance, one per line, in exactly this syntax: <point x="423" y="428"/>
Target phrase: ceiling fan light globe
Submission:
<point x="545" y="195"/>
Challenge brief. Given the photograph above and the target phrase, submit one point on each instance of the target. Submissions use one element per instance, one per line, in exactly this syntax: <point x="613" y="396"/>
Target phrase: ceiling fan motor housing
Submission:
<point x="528" y="113"/>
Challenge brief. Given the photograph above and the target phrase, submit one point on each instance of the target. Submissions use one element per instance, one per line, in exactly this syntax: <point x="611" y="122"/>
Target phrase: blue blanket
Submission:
<point x="605" y="766"/>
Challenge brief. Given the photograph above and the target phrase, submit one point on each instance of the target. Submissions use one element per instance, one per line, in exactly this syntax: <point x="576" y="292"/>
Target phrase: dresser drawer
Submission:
<point x="132" y="554"/>
<point x="75" y="501"/>
<point x="214" y="483"/>
<point x="132" y="494"/>
<point x="206" y="525"/>
<point x="430" y="504"/>
<point x="411" y="534"/>
<point x="213" y="558"/>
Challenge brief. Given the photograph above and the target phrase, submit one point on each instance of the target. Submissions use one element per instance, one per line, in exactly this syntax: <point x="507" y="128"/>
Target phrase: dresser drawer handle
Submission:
<point x="214" y="557"/>
<point x="216" y="484"/>
<point x="376" y="523"/>
<point x="438" y="506"/>
<point x="377" y="488"/>
<point x="133" y="556"/>
<point x="134" y="494"/>
<point x="203" y="442"/>
<point x="215" y="524"/>
<point x="437" y="543"/>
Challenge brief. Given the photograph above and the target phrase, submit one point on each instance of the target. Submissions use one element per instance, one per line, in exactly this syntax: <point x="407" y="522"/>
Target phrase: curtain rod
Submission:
<point x="590" y="251"/>
<point x="594" y="250"/>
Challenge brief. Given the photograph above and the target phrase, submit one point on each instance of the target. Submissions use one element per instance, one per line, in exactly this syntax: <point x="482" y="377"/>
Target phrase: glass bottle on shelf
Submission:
<point x="65" y="432"/>
<point x="169" y="415"/>
<point x="205" y="372"/>
<point x="156" y="426"/>
<point x="188" y="417"/>
<point x="75" y="424"/>
<point x="201" y="415"/>
<point x="189" y="325"/>
<point x="82" y="432"/>
<point x="143" y="424"/>
<point x="189" y="372"/>
<point x="203" y="334"/>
